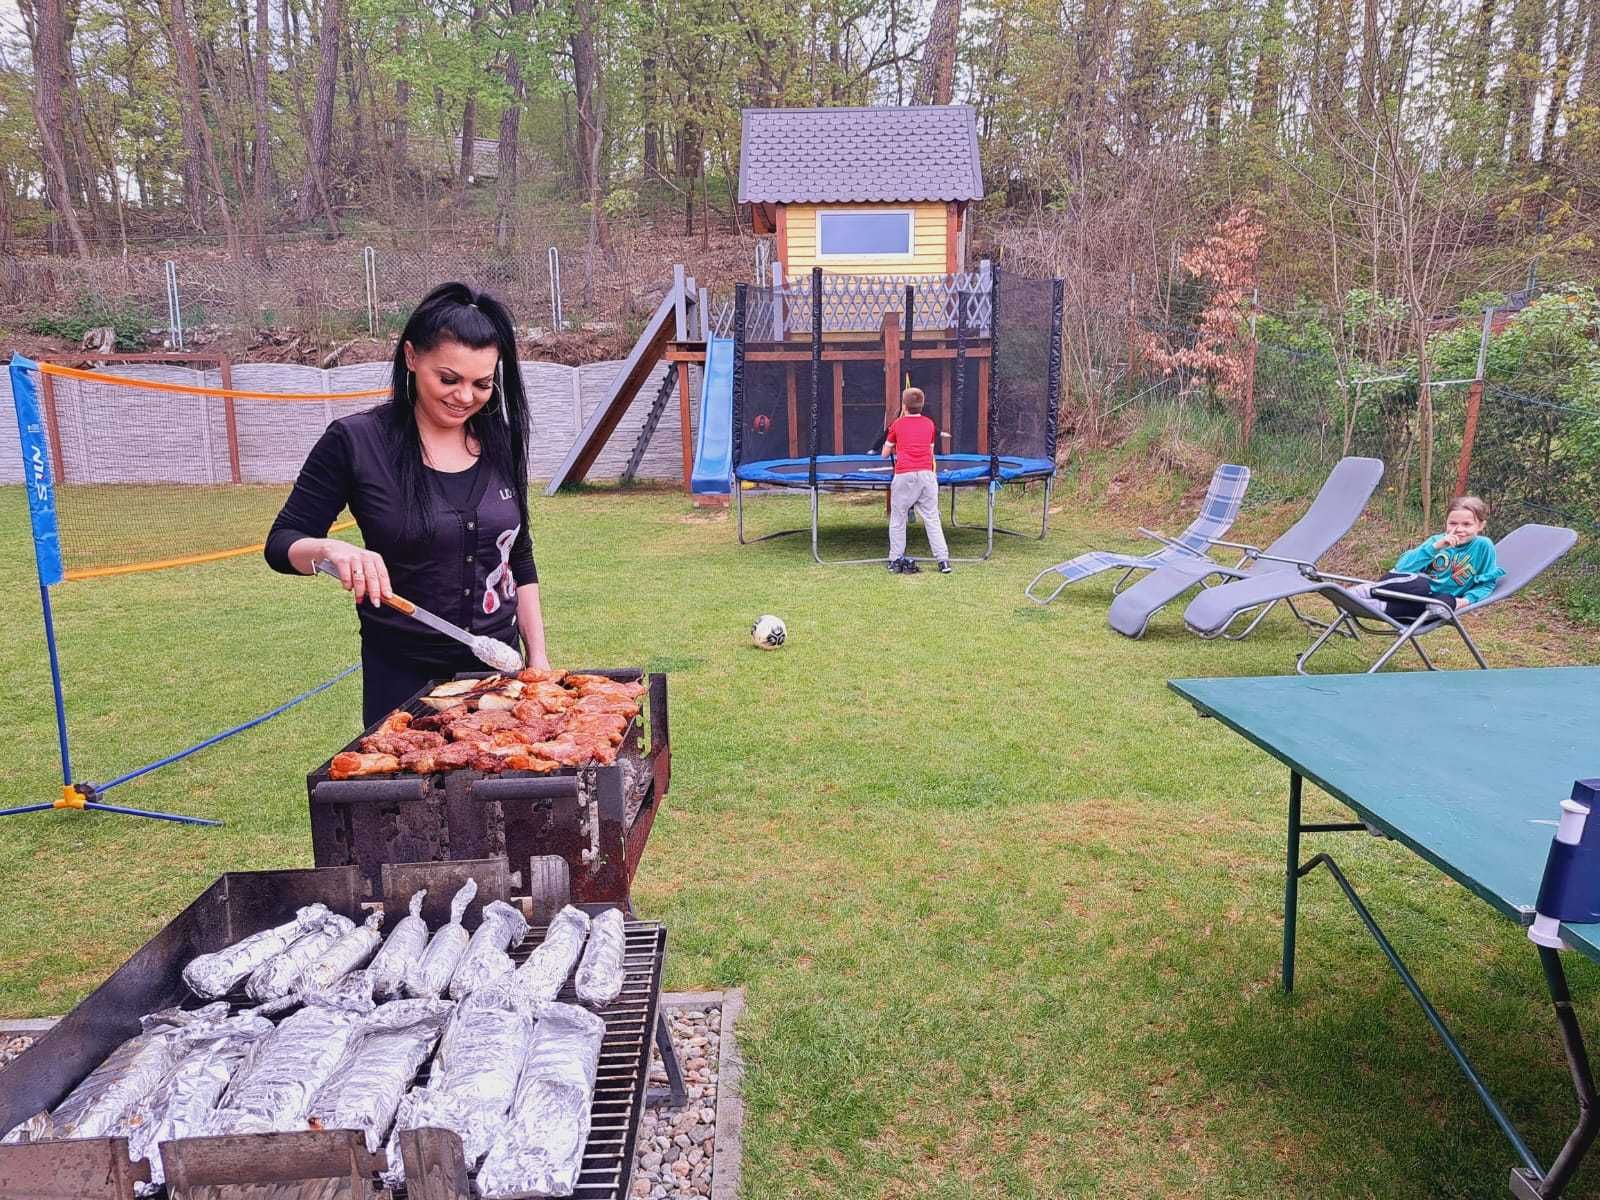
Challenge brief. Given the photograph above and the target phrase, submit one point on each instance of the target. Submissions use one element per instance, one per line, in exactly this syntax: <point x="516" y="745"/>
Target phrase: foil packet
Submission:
<point x="430" y="976"/>
<point x="539" y="980"/>
<point x="538" y="1151"/>
<point x="353" y="993"/>
<point x="366" y="1089"/>
<point x="101" y="1105"/>
<point x="278" y="975"/>
<point x="473" y="1082"/>
<point x="601" y="972"/>
<point x="180" y="1107"/>
<point x="485" y="958"/>
<point x="218" y="973"/>
<point x="274" y="1092"/>
<point x="403" y="947"/>
<point x="348" y="953"/>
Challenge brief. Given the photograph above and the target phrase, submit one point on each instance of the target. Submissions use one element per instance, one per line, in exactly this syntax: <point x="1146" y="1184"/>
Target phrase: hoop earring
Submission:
<point x="411" y="397"/>
<point x="500" y="390"/>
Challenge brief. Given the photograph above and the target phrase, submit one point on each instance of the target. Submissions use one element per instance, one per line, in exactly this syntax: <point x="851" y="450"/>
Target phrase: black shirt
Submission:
<point x="464" y="560"/>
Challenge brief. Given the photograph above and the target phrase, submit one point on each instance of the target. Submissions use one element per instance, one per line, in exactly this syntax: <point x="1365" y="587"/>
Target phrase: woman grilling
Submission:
<point x="437" y="480"/>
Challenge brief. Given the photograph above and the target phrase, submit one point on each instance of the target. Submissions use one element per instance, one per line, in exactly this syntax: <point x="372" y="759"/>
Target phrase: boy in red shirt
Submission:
<point x="915" y="485"/>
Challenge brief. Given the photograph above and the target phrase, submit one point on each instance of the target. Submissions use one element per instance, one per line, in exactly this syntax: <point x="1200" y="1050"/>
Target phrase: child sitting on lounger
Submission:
<point x="1457" y="565"/>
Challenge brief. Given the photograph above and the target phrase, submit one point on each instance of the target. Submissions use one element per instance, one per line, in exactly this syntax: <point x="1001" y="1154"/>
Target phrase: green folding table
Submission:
<point x="1468" y="769"/>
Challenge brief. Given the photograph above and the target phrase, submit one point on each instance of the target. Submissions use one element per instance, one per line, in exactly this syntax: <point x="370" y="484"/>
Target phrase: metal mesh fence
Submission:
<point x="310" y="286"/>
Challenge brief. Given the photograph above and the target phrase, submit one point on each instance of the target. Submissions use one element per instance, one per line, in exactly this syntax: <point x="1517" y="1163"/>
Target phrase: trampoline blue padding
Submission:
<point x="868" y="470"/>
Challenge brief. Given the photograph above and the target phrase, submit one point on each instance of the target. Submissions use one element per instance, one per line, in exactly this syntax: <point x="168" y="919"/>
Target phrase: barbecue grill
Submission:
<point x="238" y="904"/>
<point x="581" y="830"/>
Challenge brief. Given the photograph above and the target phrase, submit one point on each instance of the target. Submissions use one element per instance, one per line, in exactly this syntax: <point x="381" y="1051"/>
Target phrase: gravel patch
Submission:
<point x="13" y="1045"/>
<point x="675" y="1151"/>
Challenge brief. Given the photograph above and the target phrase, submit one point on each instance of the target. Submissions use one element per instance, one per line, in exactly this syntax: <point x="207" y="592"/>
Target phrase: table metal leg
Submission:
<point x="1291" y="883"/>
<point x="1527" y="1184"/>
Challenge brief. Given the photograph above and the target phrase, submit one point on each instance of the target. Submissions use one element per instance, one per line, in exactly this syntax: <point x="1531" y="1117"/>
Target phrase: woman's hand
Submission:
<point x="362" y="573"/>
<point x="539" y="661"/>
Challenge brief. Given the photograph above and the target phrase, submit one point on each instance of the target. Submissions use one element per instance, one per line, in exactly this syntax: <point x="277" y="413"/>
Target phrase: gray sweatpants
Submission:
<point x="915" y="490"/>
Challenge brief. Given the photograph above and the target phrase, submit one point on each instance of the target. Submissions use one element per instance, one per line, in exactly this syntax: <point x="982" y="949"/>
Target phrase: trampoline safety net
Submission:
<point x="993" y="387"/>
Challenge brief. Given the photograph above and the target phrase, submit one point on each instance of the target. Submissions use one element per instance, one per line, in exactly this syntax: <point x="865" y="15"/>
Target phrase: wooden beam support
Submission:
<point x="838" y="407"/>
<point x="683" y="419"/>
<point x="891" y="365"/>
<point x="794" y="411"/>
<point x="983" y="406"/>
<point x="782" y="245"/>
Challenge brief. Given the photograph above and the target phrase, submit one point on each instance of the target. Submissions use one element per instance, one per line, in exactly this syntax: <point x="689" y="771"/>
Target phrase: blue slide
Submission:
<point x="713" y="444"/>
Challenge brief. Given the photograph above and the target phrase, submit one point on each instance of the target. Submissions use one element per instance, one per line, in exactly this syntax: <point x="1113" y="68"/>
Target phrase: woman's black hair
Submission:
<point x="454" y="312"/>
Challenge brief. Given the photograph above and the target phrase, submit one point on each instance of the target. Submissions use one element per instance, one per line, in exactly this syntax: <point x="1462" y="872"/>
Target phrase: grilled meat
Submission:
<point x="401" y="744"/>
<point x="351" y="765"/>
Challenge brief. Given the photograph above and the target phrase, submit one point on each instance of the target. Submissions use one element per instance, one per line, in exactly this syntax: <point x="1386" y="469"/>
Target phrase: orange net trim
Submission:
<point x="192" y="390"/>
<point x="187" y="560"/>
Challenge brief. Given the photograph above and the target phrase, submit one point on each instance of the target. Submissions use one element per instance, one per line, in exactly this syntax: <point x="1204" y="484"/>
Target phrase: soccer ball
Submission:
<point x="768" y="632"/>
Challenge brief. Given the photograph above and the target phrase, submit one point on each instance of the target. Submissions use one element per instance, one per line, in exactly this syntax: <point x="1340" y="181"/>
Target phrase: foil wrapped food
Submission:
<point x="600" y="973"/>
<point x="485" y="959"/>
<point x="366" y="1089"/>
<point x="279" y="974"/>
<point x="538" y="1150"/>
<point x="180" y="1107"/>
<point x="353" y="993"/>
<point x="403" y="947"/>
<point x="431" y="974"/>
<point x="473" y="1081"/>
<point x="274" y="1092"/>
<point x="350" y="951"/>
<point x="218" y="973"/>
<point x="101" y="1105"/>
<point x="538" y="980"/>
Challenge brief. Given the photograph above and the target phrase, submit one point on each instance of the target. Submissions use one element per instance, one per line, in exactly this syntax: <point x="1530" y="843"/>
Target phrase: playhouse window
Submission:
<point x="850" y="233"/>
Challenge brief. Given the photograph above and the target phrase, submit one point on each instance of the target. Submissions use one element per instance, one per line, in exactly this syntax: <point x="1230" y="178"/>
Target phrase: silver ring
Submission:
<point x="358" y="571"/>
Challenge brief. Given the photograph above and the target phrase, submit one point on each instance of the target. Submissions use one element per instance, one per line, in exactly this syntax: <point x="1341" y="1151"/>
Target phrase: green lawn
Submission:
<point x="1007" y="912"/>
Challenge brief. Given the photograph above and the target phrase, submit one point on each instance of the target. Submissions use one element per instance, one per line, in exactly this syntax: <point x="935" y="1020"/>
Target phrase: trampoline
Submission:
<point x="997" y="413"/>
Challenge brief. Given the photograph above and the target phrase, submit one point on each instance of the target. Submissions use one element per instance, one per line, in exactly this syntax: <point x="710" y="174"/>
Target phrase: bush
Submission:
<point x="129" y="320"/>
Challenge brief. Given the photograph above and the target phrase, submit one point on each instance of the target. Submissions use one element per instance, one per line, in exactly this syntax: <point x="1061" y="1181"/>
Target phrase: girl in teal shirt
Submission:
<point x="1458" y="564"/>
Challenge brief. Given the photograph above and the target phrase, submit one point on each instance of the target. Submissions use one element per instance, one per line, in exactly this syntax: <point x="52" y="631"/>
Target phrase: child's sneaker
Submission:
<point x="944" y="566"/>
<point x="895" y="565"/>
<point x="908" y="566"/>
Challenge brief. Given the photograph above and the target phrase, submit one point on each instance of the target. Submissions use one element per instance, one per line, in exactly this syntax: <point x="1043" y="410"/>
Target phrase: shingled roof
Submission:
<point x="834" y="155"/>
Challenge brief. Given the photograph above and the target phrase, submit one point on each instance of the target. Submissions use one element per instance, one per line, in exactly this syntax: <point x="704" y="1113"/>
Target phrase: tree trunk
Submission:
<point x="591" y="130"/>
<point x="319" y="148"/>
<point x="1482" y="31"/>
<point x="469" y="114"/>
<point x="936" y="77"/>
<point x="261" y="164"/>
<point x="1523" y="70"/>
<point x="1269" y="68"/>
<point x="505" y="196"/>
<point x="49" y="69"/>
<point x="196" y="130"/>
<point x="1370" y="54"/>
<point x="1566" y="41"/>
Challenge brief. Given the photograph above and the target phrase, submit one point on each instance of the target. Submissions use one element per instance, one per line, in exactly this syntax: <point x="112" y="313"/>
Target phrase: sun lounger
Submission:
<point x="1340" y="502"/>
<point x="1524" y="554"/>
<point x="1217" y="514"/>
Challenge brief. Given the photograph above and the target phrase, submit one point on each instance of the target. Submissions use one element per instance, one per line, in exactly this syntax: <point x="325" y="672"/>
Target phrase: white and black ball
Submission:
<point x="768" y="632"/>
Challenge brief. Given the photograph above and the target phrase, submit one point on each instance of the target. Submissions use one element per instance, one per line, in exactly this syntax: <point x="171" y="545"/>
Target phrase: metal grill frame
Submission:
<point x="235" y="905"/>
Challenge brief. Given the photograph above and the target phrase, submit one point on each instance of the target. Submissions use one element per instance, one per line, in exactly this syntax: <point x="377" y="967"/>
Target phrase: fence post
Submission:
<point x="553" y="257"/>
<point x="230" y="419"/>
<point x="680" y="305"/>
<point x="780" y="318"/>
<point x="1250" y="370"/>
<point x="1474" y="402"/>
<point x="174" y="307"/>
<point x="369" y="270"/>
